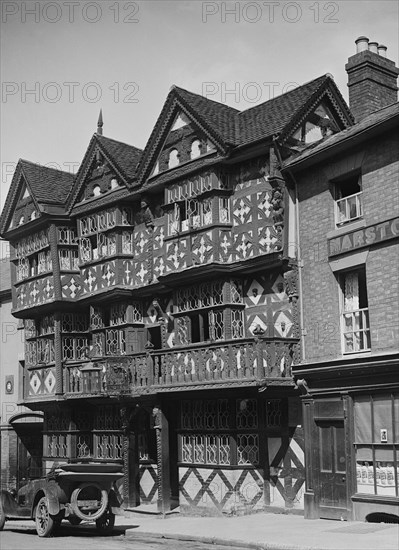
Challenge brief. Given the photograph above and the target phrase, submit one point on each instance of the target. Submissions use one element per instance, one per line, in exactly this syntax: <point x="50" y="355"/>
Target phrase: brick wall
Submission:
<point x="372" y="82"/>
<point x="321" y="298"/>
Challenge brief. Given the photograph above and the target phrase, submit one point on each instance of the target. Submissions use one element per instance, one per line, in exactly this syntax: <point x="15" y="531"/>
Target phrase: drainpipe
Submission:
<point x="298" y="251"/>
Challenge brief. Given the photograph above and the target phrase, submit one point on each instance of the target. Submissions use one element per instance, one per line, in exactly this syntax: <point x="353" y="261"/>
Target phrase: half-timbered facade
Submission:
<point x="159" y="294"/>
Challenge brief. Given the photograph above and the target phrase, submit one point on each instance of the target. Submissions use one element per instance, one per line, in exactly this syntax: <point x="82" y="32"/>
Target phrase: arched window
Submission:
<point x="195" y="149"/>
<point x="173" y="158"/>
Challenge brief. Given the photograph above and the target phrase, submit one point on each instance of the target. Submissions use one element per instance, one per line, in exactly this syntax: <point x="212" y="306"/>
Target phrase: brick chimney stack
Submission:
<point x="372" y="78"/>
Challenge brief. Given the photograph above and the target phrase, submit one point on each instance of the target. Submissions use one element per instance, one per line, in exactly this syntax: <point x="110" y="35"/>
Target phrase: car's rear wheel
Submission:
<point x="2" y="516"/>
<point x="44" y="521"/>
<point x="105" y="523"/>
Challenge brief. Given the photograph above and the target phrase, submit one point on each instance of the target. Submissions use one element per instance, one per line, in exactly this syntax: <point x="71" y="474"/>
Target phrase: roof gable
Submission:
<point x="184" y="142"/>
<point x="283" y="114"/>
<point x="191" y="116"/>
<point x="33" y="188"/>
<point x="107" y="165"/>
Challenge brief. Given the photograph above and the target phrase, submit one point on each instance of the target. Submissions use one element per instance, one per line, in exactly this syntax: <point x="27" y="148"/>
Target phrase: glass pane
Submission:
<point x="348" y="342"/>
<point x="348" y="322"/>
<point x="385" y="474"/>
<point x="341" y="208"/>
<point x="357" y="320"/>
<point x="383" y="419"/>
<point x="362" y="409"/>
<point x="352" y="207"/>
<point x="396" y="418"/>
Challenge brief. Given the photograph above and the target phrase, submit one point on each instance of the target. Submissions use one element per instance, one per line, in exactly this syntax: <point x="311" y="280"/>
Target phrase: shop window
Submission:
<point x="355" y="313"/>
<point x="348" y="200"/>
<point x="376" y="421"/>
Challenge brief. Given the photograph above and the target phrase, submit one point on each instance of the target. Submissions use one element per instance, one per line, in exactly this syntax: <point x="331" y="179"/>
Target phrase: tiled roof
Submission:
<point x="48" y="185"/>
<point x="258" y="122"/>
<point x="367" y="123"/>
<point x="125" y="156"/>
<point x="271" y="117"/>
<point x="219" y="117"/>
<point x="231" y="127"/>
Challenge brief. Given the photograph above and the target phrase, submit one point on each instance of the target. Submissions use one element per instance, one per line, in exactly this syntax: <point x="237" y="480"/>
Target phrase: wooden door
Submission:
<point x="332" y="470"/>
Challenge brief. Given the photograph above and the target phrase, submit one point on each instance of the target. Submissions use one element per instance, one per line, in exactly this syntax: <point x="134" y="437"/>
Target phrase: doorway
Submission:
<point x="332" y="470"/>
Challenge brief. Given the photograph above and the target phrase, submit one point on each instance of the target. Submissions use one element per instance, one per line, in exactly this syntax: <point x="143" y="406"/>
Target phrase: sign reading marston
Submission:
<point x="364" y="237"/>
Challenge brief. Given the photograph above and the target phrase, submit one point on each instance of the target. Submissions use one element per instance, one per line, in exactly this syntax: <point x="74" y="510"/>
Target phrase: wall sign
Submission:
<point x="9" y="384"/>
<point x="364" y="237"/>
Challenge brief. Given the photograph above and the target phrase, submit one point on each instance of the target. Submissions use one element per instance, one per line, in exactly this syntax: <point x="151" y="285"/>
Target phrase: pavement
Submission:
<point x="263" y="531"/>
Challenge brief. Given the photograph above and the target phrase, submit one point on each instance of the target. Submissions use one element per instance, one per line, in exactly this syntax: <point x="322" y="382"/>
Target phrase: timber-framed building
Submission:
<point x="160" y="296"/>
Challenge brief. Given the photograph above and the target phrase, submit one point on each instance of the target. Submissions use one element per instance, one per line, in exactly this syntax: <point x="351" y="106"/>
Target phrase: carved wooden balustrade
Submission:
<point x="248" y="361"/>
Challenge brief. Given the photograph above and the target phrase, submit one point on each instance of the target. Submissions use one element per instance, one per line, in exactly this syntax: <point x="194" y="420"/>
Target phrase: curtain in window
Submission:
<point x="351" y="292"/>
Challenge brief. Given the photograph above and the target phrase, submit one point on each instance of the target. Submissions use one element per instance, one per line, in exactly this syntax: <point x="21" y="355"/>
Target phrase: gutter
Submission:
<point x="299" y="258"/>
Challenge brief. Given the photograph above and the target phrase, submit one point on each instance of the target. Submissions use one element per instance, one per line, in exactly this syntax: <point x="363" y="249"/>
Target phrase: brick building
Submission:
<point x="159" y="291"/>
<point x="348" y="219"/>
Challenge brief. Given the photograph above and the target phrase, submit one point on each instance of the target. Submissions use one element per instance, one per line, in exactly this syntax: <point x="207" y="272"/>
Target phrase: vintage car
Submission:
<point x="77" y="492"/>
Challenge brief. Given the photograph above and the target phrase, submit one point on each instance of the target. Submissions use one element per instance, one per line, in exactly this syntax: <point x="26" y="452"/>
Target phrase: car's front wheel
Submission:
<point x="105" y="523"/>
<point x="44" y="521"/>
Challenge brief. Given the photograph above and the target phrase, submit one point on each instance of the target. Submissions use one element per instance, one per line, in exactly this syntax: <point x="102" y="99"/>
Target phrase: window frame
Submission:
<point x="358" y="196"/>
<point x="362" y="313"/>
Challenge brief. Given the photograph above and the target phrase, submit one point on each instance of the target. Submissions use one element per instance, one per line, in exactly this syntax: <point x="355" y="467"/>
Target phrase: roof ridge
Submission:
<point x="285" y="94"/>
<point x="38" y="165"/>
<point x="174" y="87"/>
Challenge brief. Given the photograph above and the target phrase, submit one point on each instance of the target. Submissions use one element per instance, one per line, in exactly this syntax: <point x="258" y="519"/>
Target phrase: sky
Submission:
<point x="61" y="61"/>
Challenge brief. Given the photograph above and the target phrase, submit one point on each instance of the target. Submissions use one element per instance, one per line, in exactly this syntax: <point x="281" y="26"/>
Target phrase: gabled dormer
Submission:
<point x="323" y="114"/>
<point x="35" y="190"/>
<point x="188" y="128"/>
<point x="184" y="142"/>
<point x="107" y="167"/>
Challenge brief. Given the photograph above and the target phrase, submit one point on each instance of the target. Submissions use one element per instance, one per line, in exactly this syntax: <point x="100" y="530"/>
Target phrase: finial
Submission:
<point x="100" y="123"/>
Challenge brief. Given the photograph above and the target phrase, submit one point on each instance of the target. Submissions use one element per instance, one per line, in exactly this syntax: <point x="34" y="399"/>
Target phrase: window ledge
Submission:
<point x="354" y="354"/>
<point x="368" y="497"/>
<point x="347" y="228"/>
<point x="220" y="225"/>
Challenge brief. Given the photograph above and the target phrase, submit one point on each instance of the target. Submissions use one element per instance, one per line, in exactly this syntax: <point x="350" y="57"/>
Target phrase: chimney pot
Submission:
<point x="382" y="50"/>
<point x="373" y="47"/>
<point x="362" y="44"/>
